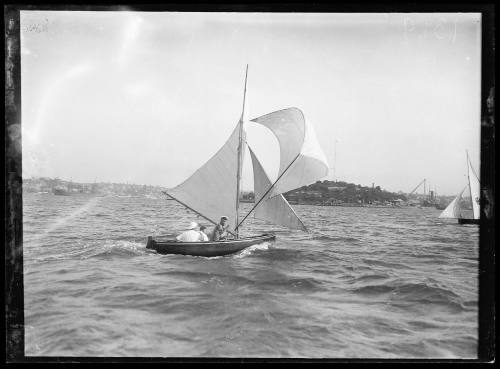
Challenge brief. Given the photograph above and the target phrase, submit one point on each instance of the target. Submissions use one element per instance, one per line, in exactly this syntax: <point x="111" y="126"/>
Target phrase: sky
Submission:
<point x="147" y="98"/>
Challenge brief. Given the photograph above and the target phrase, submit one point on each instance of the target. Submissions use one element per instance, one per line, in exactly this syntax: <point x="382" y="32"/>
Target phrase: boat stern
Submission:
<point x="150" y="243"/>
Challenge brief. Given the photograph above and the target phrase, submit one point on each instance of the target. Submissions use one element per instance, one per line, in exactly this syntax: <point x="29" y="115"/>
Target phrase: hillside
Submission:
<point x="333" y="192"/>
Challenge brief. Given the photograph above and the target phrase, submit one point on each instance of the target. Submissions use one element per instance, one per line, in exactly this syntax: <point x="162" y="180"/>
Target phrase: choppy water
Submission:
<point x="377" y="283"/>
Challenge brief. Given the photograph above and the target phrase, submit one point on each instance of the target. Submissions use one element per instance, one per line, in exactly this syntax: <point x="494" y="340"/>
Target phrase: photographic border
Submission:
<point x="14" y="288"/>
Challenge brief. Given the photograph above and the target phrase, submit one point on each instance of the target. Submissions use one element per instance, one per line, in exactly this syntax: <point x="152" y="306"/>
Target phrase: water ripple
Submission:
<point x="365" y="282"/>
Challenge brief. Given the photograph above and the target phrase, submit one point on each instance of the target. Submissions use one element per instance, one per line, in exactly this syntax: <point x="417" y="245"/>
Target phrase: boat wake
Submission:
<point x="114" y="248"/>
<point x="250" y="250"/>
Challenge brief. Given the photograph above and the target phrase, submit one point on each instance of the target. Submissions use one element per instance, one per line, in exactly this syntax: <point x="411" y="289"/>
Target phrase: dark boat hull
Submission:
<point x="468" y="221"/>
<point x="216" y="248"/>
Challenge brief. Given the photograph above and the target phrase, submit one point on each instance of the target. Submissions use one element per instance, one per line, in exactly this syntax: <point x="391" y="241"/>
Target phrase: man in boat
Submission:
<point x="192" y="234"/>
<point x="205" y="233"/>
<point x="220" y="231"/>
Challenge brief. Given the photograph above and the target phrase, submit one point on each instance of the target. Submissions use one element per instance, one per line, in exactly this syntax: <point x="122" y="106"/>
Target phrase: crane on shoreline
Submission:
<point x="416" y="188"/>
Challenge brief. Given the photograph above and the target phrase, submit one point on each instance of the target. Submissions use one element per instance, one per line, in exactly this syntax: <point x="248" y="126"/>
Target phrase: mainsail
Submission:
<point x="302" y="161"/>
<point x="474" y="189"/>
<point x="275" y="210"/>
<point x="453" y="209"/>
<point x="211" y="190"/>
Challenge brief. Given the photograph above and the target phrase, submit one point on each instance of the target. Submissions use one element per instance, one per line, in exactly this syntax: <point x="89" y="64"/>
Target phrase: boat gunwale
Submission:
<point x="214" y="243"/>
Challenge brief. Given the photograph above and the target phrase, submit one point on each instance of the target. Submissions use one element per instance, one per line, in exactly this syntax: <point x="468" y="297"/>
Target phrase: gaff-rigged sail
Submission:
<point x="275" y="210"/>
<point x="302" y="161"/>
<point x="211" y="190"/>
<point x="474" y="189"/>
<point x="453" y="209"/>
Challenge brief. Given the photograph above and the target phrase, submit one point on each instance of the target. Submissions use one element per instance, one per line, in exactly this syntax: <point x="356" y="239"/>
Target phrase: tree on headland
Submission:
<point x="342" y="192"/>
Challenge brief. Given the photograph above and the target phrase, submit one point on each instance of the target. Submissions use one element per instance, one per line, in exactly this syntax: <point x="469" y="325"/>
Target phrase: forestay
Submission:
<point x="211" y="190"/>
<point x="302" y="161"/>
<point x="453" y="209"/>
<point x="275" y="210"/>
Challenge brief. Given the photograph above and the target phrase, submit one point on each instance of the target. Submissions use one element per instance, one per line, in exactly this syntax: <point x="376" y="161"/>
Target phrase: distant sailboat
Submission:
<point x="214" y="189"/>
<point x="454" y="210"/>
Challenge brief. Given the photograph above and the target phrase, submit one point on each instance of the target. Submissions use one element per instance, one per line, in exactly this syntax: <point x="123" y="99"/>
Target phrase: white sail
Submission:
<point x="474" y="190"/>
<point x="302" y="161"/>
<point x="453" y="209"/>
<point x="211" y="190"/>
<point x="275" y="210"/>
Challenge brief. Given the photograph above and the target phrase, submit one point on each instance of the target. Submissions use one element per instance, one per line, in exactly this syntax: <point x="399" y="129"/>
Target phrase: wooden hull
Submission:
<point x="215" y="248"/>
<point x="468" y="221"/>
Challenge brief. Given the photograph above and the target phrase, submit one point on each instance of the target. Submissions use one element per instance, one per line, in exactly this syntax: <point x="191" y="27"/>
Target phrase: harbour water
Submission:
<point x="365" y="283"/>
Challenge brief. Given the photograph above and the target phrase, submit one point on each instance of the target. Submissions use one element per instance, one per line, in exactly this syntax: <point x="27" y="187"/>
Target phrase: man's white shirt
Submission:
<point x="192" y="236"/>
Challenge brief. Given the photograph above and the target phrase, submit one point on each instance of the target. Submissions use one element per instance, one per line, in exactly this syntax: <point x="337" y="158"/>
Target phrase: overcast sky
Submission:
<point x="147" y="98"/>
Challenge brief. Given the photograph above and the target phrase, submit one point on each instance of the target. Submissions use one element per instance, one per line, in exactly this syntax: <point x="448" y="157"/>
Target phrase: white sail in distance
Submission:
<point x="275" y="210"/>
<point x="302" y="160"/>
<point x="453" y="209"/>
<point x="474" y="189"/>
<point x="211" y="190"/>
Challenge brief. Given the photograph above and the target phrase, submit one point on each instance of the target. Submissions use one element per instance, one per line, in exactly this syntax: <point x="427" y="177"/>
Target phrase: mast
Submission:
<point x="335" y="160"/>
<point x="240" y="152"/>
<point x="468" y="181"/>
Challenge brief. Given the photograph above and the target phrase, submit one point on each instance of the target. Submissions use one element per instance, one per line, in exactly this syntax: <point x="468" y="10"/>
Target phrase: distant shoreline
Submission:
<point x="326" y="193"/>
<point x="159" y="196"/>
<point x="349" y="205"/>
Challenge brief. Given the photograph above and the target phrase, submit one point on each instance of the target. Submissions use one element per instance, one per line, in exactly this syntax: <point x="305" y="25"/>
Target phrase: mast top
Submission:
<point x="240" y="154"/>
<point x="244" y="95"/>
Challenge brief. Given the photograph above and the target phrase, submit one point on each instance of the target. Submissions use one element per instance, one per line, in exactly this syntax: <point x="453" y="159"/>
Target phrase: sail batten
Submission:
<point x="275" y="210"/>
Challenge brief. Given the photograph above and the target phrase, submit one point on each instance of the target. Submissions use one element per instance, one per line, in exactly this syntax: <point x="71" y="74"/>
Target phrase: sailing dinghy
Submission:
<point x="454" y="209"/>
<point x="213" y="190"/>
